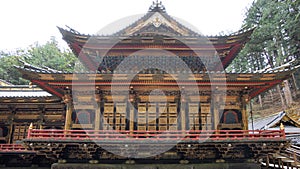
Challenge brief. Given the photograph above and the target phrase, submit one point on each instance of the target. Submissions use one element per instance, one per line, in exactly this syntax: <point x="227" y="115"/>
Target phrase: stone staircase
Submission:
<point x="289" y="158"/>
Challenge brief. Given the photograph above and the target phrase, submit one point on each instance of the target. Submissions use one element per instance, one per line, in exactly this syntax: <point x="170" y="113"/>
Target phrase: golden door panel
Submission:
<point x="194" y="123"/>
<point x="120" y="121"/>
<point x="142" y="117"/>
<point x="108" y="116"/>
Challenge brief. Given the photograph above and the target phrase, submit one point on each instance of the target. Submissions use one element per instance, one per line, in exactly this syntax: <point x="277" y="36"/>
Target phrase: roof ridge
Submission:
<point x="157" y="7"/>
<point x="274" y="114"/>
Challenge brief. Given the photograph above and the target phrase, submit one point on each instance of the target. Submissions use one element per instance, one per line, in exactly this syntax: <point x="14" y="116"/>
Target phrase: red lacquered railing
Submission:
<point x="4" y="148"/>
<point x="193" y="135"/>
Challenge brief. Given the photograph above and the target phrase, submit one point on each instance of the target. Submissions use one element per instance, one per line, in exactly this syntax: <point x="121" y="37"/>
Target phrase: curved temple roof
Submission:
<point x="274" y="120"/>
<point x="253" y="83"/>
<point x="159" y="31"/>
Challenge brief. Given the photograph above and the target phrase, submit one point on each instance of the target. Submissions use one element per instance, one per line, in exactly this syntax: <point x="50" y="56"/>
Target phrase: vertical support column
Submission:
<point x="245" y="100"/>
<point x="212" y="110"/>
<point x="11" y="124"/>
<point x="178" y="112"/>
<point x="182" y="100"/>
<point x="216" y="116"/>
<point x="183" y="113"/>
<point x="215" y="107"/>
<point x="98" y="110"/>
<point x="131" y="103"/>
<point x="11" y="127"/>
<point x="68" y="120"/>
<point x="97" y="116"/>
<point x="41" y="116"/>
<point x="69" y="111"/>
<point x="131" y="115"/>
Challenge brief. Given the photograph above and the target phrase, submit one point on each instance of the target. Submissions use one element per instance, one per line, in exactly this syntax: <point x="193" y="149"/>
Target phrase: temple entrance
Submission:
<point x="169" y="116"/>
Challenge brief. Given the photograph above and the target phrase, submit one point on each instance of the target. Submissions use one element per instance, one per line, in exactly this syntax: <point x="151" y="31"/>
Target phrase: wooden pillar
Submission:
<point x="131" y="104"/>
<point x="131" y="115"/>
<point x="68" y="120"/>
<point x="245" y="100"/>
<point x="215" y="107"/>
<point x="183" y="113"/>
<point x="69" y="111"/>
<point x="97" y="116"/>
<point x="216" y="116"/>
<point x="98" y="111"/>
<point x="11" y="125"/>
<point x="41" y="116"/>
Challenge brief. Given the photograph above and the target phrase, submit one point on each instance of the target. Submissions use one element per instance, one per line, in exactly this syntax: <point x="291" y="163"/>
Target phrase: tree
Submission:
<point x="7" y="70"/>
<point x="47" y="55"/>
<point x="275" y="40"/>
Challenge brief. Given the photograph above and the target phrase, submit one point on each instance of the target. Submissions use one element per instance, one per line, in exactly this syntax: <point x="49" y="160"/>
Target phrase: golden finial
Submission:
<point x="30" y="85"/>
<point x="281" y="126"/>
<point x="30" y="126"/>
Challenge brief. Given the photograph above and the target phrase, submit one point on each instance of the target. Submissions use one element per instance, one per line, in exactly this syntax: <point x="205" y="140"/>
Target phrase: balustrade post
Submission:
<point x="29" y="130"/>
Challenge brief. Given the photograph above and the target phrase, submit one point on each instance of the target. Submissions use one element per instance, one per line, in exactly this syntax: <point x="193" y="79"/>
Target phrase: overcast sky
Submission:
<point x="24" y="22"/>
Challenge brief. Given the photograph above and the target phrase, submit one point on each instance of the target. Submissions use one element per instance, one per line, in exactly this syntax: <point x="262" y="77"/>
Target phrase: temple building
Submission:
<point x="155" y="82"/>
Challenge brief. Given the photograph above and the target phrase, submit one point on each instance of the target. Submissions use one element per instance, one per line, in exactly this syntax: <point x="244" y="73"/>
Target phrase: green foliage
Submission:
<point x="7" y="71"/>
<point x="51" y="56"/>
<point x="47" y="55"/>
<point x="276" y="38"/>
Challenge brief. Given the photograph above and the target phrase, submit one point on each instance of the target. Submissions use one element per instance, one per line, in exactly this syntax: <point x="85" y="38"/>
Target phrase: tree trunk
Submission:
<point x="260" y="101"/>
<point x="295" y="83"/>
<point x="287" y="93"/>
<point x="272" y="98"/>
<point x="283" y="105"/>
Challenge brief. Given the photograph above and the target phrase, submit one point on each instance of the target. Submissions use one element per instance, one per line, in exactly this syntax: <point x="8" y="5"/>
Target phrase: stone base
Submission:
<point x="157" y="166"/>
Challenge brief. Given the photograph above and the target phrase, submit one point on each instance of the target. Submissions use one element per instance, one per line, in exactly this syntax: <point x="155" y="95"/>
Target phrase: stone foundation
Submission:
<point x="158" y="166"/>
